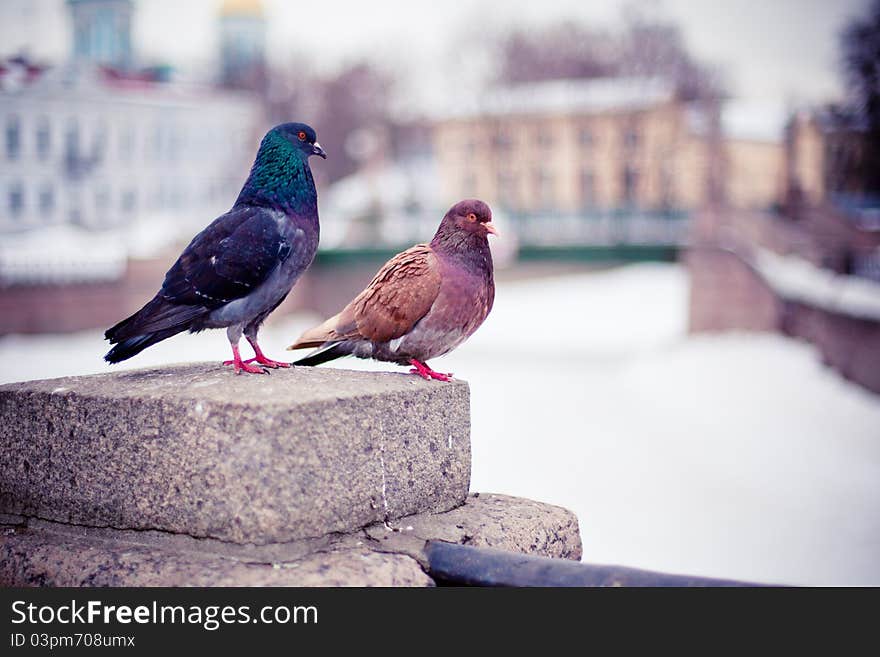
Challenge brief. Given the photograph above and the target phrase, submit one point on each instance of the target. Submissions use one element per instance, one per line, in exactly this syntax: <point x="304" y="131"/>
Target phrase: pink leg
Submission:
<point x="262" y="359"/>
<point x="241" y="365"/>
<point x="426" y="372"/>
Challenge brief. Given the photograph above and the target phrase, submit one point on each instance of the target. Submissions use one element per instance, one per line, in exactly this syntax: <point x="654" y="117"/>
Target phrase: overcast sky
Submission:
<point x="780" y="50"/>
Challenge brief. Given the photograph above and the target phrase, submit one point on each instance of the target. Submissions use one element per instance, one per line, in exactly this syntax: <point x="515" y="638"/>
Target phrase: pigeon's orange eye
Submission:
<point x="301" y="135"/>
<point x="472" y="217"/>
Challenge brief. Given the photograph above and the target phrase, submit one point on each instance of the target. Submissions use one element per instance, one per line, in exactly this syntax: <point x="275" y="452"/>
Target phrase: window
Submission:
<point x="172" y="145"/>
<point x="507" y="196"/>
<point x="104" y="41"/>
<point x="667" y="188"/>
<point x="630" y="185"/>
<point x="631" y="137"/>
<point x="156" y="142"/>
<point x="16" y="199"/>
<point x="81" y="40"/>
<point x="47" y="200"/>
<point x="128" y="202"/>
<point x="71" y="140"/>
<point x="546" y="188"/>
<point x="102" y="199"/>
<point x="545" y="138"/>
<point x="99" y="141"/>
<point x="13" y="138"/>
<point x="74" y="204"/>
<point x="586" y="138"/>
<point x="44" y="136"/>
<point x="502" y="141"/>
<point x="588" y="188"/>
<point x="126" y="143"/>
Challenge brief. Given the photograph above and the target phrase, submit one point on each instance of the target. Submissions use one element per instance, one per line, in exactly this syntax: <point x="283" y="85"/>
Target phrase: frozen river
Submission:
<point x="732" y="456"/>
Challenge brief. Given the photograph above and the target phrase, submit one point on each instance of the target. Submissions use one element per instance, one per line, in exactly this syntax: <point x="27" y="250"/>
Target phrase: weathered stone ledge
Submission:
<point x="34" y="552"/>
<point x="191" y="476"/>
<point x="195" y="450"/>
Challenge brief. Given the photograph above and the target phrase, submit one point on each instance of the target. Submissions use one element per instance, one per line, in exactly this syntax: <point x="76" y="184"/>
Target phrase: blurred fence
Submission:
<point x="545" y="229"/>
<point x="601" y="228"/>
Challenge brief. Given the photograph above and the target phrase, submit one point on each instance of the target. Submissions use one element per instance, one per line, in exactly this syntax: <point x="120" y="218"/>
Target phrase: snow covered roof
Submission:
<point x="752" y="120"/>
<point x="399" y="183"/>
<point x="73" y="80"/>
<point x="18" y="72"/>
<point x="390" y="188"/>
<point x="587" y="96"/>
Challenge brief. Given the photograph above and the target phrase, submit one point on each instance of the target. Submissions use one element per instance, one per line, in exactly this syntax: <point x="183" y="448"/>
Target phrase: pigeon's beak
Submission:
<point x="491" y="229"/>
<point x="317" y="150"/>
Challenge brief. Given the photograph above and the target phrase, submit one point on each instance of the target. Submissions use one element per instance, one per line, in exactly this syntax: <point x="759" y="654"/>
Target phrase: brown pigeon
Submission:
<point x="423" y="303"/>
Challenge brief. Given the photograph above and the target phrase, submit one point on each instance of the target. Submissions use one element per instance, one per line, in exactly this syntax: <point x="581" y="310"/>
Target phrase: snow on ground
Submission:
<point x="730" y="456"/>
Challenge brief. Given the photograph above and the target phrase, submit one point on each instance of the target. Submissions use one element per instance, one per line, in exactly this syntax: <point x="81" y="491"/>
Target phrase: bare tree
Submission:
<point x="656" y="48"/>
<point x="357" y="98"/>
<point x="644" y="47"/>
<point x="860" y="45"/>
<point x="563" y="50"/>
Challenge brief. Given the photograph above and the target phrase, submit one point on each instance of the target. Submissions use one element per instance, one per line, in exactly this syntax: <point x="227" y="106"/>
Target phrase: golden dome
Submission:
<point x="241" y="8"/>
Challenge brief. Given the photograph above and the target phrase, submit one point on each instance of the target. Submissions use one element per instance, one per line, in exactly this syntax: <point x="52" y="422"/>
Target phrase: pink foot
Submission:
<point x="262" y="359"/>
<point x="426" y="372"/>
<point x="268" y="362"/>
<point x="243" y="365"/>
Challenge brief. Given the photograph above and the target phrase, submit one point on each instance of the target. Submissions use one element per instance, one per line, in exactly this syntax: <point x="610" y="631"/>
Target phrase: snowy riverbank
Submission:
<point x="732" y="456"/>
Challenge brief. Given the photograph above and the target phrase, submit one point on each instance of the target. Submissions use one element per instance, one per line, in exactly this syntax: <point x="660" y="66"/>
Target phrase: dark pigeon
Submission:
<point x="242" y="266"/>
<point x="422" y="304"/>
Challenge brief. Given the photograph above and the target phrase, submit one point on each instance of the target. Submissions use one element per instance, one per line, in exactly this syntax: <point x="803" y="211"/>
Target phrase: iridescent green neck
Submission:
<point x="280" y="178"/>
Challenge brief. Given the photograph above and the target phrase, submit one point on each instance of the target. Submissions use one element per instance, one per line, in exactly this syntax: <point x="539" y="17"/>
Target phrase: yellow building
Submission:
<point x="606" y="146"/>
<point x="753" y="173"/>
<point x="570" y="146"/>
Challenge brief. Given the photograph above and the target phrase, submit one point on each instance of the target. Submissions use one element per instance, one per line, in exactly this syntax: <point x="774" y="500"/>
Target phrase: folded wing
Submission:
<point x="227" y="260"/>
<point x="400" y="294"/>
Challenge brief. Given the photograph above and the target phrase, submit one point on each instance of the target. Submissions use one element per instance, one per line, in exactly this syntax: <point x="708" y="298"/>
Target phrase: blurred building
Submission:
<point x="824" y="190"/>
<point x="824" y="149"/>
<point x="622" y="149"/>
<point x="106" y="166"/>
<point x="243" y="45"/>
<point x="102" y="31"/>
<point x="753" y="154"/>
<point x="89" y="148"/>
<point x="94" y="144"/>
<point x="807" y="266"/>
<point x="753" y="172"/>
<point x="577" y="146"/>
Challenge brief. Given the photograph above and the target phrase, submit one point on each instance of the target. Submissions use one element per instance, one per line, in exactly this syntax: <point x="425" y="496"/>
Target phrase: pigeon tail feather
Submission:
<point x="153" y="323"/>
<point x="318" y="335"/>
<point x="330" y="351"/>
<point x="135" y="345"/>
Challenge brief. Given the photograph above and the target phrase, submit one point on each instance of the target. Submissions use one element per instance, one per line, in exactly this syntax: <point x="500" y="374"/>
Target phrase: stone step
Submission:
<point x="40" y="553"/>
<point x="196" y="451"/>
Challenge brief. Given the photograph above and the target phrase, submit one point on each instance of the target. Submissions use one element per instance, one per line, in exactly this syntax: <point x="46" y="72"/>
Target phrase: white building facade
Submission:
<point x="81" y="149"/>
<point x="94" y="152"/>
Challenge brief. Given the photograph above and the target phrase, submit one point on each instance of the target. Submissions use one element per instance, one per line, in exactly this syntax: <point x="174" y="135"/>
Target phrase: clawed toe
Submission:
<point x="422" y="374"/>
<point x="263" y="365"/>
<point x="250" y="369"/>
<point x="427" y="373"/>
<point x="245" y="366"/>
<point x="274" y="364"/>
